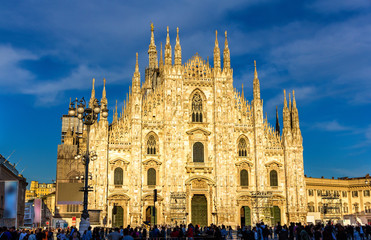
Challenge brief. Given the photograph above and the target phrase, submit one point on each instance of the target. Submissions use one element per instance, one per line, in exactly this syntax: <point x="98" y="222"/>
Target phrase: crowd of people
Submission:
<point x="258" y="232"/>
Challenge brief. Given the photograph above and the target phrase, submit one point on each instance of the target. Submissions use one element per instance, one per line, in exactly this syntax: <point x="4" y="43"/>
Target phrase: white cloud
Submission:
<point x="330" y="6"/>
<point x="332" y="126"/>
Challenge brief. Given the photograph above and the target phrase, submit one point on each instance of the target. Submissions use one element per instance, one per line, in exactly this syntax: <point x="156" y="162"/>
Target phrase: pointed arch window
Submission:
<point x="151" y="177"/>
<point x="273" y="178"/>
<point x="198" y="152"/>
<point x="197" y="108"/>
<point x="242" y="148"/>
<point x="151" y="145"/>
<point x="118" y="176"/>
<point x="244" y="178"/>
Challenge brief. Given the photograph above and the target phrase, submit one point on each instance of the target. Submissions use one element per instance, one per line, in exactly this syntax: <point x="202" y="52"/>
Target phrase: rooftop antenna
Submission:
<point x="17" y="162"/>
<point x="22" y="171"/>
<point x="10" y="155"/>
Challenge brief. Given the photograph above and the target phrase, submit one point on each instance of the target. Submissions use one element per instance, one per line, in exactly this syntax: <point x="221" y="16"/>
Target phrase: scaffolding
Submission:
<point x="178" y="208"/>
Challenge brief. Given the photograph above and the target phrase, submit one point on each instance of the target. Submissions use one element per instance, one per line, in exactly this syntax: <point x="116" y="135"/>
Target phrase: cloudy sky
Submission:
<point x="50" y="51"/>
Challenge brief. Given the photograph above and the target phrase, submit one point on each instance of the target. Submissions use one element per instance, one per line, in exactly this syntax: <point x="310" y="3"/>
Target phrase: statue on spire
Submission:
<point x="152" y="52"/>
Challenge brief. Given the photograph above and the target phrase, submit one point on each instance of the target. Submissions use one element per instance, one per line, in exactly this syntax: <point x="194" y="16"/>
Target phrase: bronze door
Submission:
<point x="199" y="210"/>
<point x="118" y="218"/>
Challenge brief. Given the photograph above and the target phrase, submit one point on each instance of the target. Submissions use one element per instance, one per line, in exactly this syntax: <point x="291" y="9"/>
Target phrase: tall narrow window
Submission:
<point x="197" y="108"/>
<point x="244" y="178"/>
<point x="242" y="148"/>
<point x="118" y="176"/>
<point x="198" y="152"/>
<point x="151" y="177"/>
<point x="273" y="178"/>
<point x="151" y="145"/>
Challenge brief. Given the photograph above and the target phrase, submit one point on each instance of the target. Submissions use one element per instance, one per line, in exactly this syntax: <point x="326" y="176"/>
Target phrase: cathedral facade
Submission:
<point x="187" y="133"/>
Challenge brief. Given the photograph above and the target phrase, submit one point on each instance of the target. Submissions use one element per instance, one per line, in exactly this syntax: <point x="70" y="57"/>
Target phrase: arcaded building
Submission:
<point x="186" y="131"/>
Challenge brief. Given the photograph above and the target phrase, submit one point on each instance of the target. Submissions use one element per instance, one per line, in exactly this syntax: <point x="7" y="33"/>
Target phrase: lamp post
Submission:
<point x="88" y="115"/>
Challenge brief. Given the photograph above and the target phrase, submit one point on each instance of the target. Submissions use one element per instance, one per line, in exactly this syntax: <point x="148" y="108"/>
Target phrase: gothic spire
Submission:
<point x="226" y="54"/>
<point x="92" y="97"/>
<point x="161" y="58"/>
<point x="115" y="113"/>
<point x="104" y="95"/>
<point x="278" y="131"/>
<point x="284" y="99"/>
<point x="256" y="83"/>
<point x="136" y="76"/>
<point x="152" y="52"/>
<point x="216" y="52"/>
<point x="242" y="94"/>
<point x="294" y="112"/>
<point x="168" y="60"/>
<point x="136" y="64"/>
<point x="177" y="50"/>
<point x="286" y="114"/>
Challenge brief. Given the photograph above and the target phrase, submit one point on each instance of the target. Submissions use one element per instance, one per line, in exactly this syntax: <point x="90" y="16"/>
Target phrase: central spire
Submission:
<point x="152" y="52"/>
<point x="256" y="83"/>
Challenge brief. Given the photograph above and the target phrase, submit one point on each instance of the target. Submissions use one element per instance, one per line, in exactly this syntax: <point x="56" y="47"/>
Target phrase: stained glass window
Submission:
<point x="197" y="108"/>
<point x="151" y="145"/>
<point x="242" y="148"/>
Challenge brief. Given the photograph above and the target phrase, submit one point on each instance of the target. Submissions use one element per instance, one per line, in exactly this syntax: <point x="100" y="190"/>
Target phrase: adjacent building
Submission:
<point x="38" y="190"/>
<point x="345" y="200"/>
<point x="12" y="194"/>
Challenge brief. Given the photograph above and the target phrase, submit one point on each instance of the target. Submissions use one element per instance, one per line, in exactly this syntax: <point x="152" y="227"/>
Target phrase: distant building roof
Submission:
<point x="8" y="165"/>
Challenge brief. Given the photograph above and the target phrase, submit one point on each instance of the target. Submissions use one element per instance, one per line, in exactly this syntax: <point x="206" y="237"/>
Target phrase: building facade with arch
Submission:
<point x="187" y="132"/>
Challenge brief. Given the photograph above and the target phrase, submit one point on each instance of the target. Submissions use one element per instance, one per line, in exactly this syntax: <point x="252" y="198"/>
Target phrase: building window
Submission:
<point x="242" y="148"/>
<point x="319" y="193"/>
<point x="345" y="208"/>
<point x="72" y="208"/>
<point x="118" y="176"/>
<point x="151" y="145"/>
<point x="356" y="207"/>
<point x="198" y="152"/>
<point x="273" y="178"/>
<point x="354" y="193"/>
<point x="320" y="207"/>
<point x="310" y="192"/>
<point x="336" y="194"/>
<point x="345" y="194"/>
<point x="366" y="193"/>
<point x="151" y="177"/>
<point x="244" y="178"/>
<point x="310" y="207"/>
<point x="197" y="108"/>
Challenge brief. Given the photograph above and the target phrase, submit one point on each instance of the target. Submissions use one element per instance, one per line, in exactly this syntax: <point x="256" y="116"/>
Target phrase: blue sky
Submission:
<point x="50" y="51"/>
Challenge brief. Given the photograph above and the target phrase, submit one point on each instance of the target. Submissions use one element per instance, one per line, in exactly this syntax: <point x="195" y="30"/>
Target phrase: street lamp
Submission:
<point x="88" y="115"/>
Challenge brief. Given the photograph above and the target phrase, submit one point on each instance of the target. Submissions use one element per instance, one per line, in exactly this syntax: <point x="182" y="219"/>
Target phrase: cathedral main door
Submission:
<point x="245" y="216"/>
<point x="117" y="216"/>
<point x="276" y="215"/>
<point x="199" y="210"/>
